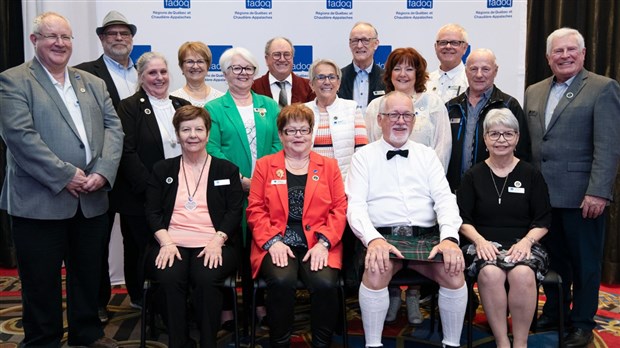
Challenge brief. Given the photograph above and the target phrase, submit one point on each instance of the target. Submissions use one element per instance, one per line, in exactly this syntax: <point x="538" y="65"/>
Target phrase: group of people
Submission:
<point x="277" y="174"/>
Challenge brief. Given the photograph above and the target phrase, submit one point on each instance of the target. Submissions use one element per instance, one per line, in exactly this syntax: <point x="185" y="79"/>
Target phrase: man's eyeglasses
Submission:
<point x="55" y="37"/>
<point x="292" y="131"/>
<point x="238" y="69"/>
<point x="365" y="41"/>
<point x="123" y="34"/>
<point x="395" y="116"/>
<point x="569" y="51"/>
<point x="285" y="55"/>
<point x="330" y="77"/>
<point x="508" y="136"/>
<point x="453" y="43"/>
<point x="190" y="62"/>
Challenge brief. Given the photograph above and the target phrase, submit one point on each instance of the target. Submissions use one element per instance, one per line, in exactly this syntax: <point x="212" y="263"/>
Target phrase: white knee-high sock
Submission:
<point x="452" y="306"/>
<point x="374" y="305"/>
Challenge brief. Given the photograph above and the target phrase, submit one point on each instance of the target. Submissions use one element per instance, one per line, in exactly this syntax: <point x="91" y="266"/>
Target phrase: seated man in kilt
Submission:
<point x="402" y="209"/>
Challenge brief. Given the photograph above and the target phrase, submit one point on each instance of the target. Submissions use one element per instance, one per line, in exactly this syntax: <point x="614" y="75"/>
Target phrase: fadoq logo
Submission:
<point x="216" y="52"/>
<point x="177" y="4"/>
<point x="303" y="58"/>
<point x="417" y="4"/>
<point x="340" y="4"/>
<point x="257" y="3"/>
<point x="499" y="3"/>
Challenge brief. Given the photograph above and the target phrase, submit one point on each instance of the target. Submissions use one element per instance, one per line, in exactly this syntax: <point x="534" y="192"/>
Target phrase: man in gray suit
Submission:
<point x="574" y="123"/>
<point x="64" y="143"/>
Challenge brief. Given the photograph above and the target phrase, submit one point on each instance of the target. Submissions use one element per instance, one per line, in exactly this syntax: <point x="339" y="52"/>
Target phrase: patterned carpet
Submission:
<point x="124" y="325"/>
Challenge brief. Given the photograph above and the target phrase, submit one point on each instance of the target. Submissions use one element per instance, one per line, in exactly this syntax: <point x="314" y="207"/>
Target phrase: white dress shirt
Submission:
<point x="400" y="191"/>
<point x="448" y="84"/>
<point x="275" y="89"/>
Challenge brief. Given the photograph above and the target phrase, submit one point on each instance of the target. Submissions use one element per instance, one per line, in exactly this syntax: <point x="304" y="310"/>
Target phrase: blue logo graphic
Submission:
<point x="257" y="3"/>
<point x="340" y="4"/>
<point x="177" y="3"/>
<point x="381" y="54"/>
<point x="419" y="4"/>
<point x="303" y="58"/>
<point x="216" y="52"/>
<point x="499" y="3"/>
<point x="139" y="50"/>
<point x="467" y="52"/>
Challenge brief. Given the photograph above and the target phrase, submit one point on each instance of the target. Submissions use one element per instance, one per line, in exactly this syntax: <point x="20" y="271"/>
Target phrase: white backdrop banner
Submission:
<point x="317" y="28"/>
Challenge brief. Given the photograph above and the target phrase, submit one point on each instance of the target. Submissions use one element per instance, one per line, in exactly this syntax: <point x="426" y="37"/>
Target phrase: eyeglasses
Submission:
<point x="365" y="41"/>
<point x="55" y="37"/>
<point x="238" y="69"/>
<point x="395" y="116"/>
<point x="453" y="43"/>
<point x="279" y="55"/>
<point x="190" y="62"/>
<point x="292" y="131"/>
<point x="330" y="77"/>
<point x="508" y="136"/>
<point x="123" y="34"/>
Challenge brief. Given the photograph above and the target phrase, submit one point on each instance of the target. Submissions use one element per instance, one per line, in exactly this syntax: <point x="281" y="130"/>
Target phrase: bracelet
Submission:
<point x="163" y="245"/>
<point x="532" y="240"/>
<point x="222" y="235"/>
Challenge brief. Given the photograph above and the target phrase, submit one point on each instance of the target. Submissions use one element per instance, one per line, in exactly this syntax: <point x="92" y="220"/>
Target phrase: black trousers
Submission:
<point x="280" y="302"/>
<point x="105" y="286"/>
<point x="136" y="237"/>
<point x="575" y="248"/>
<point x="42" y="246"/>
<point x="190" y="276"/>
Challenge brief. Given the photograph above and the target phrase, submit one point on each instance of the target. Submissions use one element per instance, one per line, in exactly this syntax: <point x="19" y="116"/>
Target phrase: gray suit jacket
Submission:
<point x="578" y="153"/>
<point x="43" y="145"/>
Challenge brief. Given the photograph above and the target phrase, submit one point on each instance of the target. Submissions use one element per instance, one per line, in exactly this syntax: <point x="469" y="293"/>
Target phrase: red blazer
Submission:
<point x="325" y="206"/>
<point x="302" y="93"/>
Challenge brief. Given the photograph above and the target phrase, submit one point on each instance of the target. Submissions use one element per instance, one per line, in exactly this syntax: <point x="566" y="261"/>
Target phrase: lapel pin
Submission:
<point x="147" y="111"/>
<point x="517" y="183"/>
<point x="141" y="100"/>
<point x="569" y="95"/>
<point x="83" y="90"/>
<point x="280" y="173"/>
<point x="261" y="111"/>
<point x="315" y="177"/>
<point x="315" y="171"/>
<point x="168" y="180"/>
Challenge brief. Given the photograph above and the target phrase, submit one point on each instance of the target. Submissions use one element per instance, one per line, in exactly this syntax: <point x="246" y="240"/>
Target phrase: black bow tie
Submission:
<point x="392" y="153"/>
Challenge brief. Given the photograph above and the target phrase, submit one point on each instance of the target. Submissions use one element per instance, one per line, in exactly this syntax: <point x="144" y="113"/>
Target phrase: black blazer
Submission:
<point x="225" y="201"/>
<point x="142" y="148"/>
<point x="376" y="87"/>
<point x="99" y="69"/>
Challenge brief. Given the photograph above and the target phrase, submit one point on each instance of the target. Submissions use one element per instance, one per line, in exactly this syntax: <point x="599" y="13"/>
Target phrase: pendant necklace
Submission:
<point x="191" y="204"/>
<point x="300" y="167"/>
<point x="499" y="193"/>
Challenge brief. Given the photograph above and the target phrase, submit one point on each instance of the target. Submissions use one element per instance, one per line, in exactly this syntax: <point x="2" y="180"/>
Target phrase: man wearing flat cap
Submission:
<point x="120" y="76"/>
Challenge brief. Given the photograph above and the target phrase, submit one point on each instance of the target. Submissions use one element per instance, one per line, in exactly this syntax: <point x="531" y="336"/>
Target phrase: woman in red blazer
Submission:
<point x="297" y="213"/>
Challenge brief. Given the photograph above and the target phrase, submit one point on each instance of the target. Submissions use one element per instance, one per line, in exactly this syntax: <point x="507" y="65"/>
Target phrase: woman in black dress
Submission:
<point x="505" y="208"/>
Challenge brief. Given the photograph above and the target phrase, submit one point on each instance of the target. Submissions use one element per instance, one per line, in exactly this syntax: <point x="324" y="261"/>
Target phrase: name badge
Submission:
<point x="516" y="189"/>
<point x="278" y="182"/>
<point x="222" y="182"/>
<point x="455" y="120"/>
<point x="378" y="92"/>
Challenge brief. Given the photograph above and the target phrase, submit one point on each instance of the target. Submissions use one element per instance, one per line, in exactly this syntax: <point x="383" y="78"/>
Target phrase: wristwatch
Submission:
<point x="325" y="242"/>
<point x="453" y="240"/>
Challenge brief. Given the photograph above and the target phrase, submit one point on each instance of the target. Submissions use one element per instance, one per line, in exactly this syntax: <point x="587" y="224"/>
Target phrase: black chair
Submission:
<point x="552" y="278"/>
<point x="409" y="277"/>
<point x="260" y="283"/>
<point x="149" y="315"/>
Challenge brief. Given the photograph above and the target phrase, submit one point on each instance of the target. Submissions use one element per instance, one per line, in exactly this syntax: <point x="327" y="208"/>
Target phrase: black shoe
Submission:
<point x="546" y="323"/>
<point x="577" y="338"/>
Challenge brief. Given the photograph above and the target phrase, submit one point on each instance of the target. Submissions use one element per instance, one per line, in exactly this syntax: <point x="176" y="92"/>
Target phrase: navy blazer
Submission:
<point x="300" y="90"/>
<point x="142" y="148"/>
<point x="225" y="201"/>
<point x="376" y="87"/>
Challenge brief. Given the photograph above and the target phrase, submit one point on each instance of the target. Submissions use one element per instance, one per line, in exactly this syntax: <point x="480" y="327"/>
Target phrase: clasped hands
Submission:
<point x="82" y="183"/>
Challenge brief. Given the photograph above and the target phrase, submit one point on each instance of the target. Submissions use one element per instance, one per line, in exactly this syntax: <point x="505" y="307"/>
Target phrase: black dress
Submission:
<point x="524" y="204"/>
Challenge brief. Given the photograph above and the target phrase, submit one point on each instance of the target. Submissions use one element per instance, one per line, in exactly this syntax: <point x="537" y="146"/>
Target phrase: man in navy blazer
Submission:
<point x="116" y="68"/>
<point x="574" y="123"/>
<point x="362" y="80"/>
<point x="64" y="143"/>
<point x="280" y="83"/>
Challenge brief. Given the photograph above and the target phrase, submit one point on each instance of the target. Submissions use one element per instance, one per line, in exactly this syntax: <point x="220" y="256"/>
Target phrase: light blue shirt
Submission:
<point x="125" y="78"/>
<point x="360" y="86"/>
<point x="555" y="94"/>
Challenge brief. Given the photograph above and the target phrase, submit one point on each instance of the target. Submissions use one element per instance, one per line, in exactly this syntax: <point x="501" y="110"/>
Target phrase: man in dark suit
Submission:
<point x="280" y="83"/>
<point x="574" y="124"/>
<point x="64" y="143"/>
<point x="116" y="68"/>
<point x="362" y="80"/>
